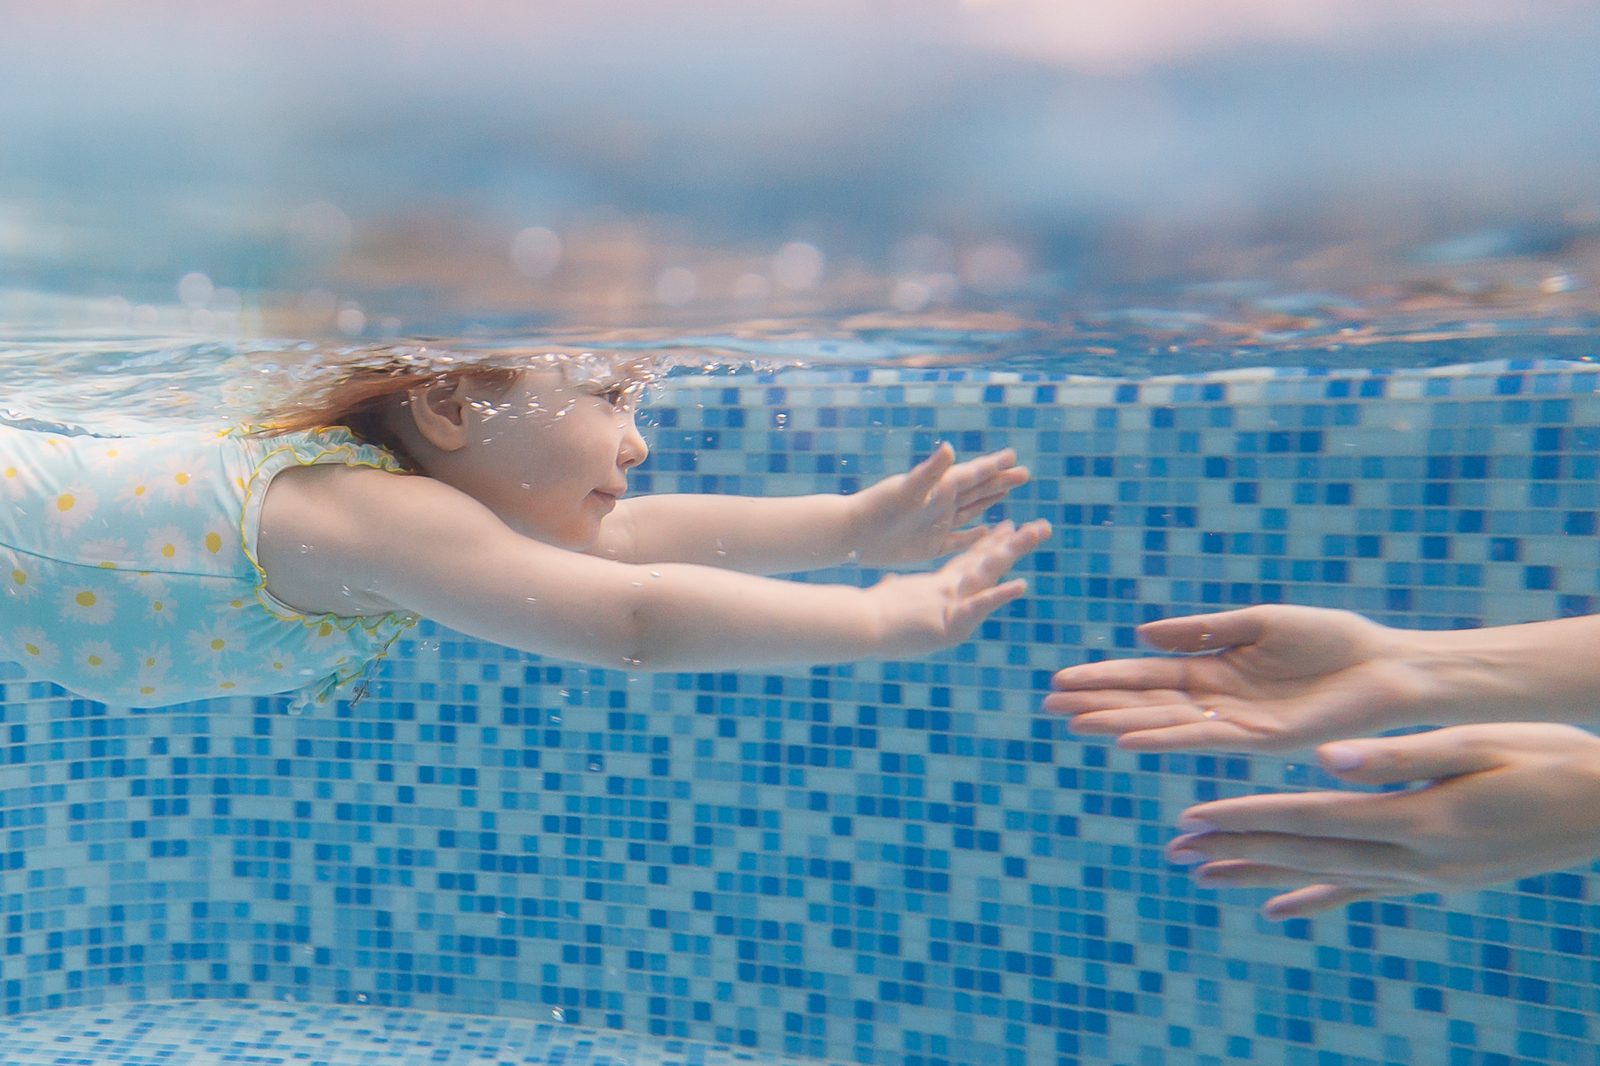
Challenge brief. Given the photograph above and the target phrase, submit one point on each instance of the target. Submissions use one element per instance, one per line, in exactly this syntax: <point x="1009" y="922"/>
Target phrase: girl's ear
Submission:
<point x="437" y="410"/>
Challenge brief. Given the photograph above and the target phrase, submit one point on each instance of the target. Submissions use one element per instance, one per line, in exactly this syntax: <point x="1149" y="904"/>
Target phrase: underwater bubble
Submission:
<point x="677" y="286"/>
<point x="351" y="320"/>
<point x="536" y="252"/>
<point x="994" y="268"/>
<point x="194" y="290"/>
<point x="798" y="266"/>
<point x="319" y="232"/>
<point x="910" y="295"/>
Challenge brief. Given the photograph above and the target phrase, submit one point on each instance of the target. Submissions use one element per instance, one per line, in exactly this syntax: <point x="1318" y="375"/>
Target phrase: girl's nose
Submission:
<point x="634" y="450"/>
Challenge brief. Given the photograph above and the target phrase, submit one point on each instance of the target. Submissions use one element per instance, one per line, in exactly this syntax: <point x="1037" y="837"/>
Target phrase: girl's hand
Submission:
<point x="912" y="517"/>
<point x="1504" y="801"/>
<point x="927" y="612"/>
<point x="1283" y="678"/>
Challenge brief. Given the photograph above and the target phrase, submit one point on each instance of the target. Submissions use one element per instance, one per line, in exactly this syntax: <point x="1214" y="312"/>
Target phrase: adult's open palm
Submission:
<point x="1276" y="678"/>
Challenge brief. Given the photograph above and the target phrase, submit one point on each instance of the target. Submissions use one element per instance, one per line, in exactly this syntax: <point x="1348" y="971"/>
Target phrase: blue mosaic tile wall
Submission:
<point x="897" y="862"/>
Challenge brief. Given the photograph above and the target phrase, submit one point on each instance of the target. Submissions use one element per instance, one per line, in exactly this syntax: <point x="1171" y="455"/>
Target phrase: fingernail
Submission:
<point x="1341" y="756"/>
<point x="1186" y="857"/>
<point x="1195" y="825"/>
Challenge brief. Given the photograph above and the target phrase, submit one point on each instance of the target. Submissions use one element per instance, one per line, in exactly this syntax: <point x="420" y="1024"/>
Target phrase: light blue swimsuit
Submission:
<point x="129" y="568"/>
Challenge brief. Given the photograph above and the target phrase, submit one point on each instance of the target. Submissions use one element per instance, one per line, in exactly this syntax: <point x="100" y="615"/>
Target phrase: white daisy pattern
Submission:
<point x="126" y="570"/>
<point x="66" y="510"/>
<point x="86" y="602"/>
<point x="179" y="477"/>
<point x="170" y="545"/>
<point x="32" y="648"/>
<point x="134" y="494"/>
<point x="152" y="669"/>
<point x="97" y="658"/>
<point x="14" y="481"/>
<point x="108" y="458"/>
<point x="19" y="577"/>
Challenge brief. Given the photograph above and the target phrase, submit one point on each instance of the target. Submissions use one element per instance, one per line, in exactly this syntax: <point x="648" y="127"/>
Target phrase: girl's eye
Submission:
<point x="617" y="395"/>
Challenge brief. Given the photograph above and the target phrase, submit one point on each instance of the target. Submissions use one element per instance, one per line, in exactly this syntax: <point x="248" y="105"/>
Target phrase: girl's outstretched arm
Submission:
<point x="907" y="518"/>
<point x="421" y="546"/>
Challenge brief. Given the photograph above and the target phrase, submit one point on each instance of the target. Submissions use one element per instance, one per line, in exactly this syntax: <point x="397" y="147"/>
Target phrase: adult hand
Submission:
<point x="916" y="516"/>
<point x="1505" y="800"/>
<point x="929" y="611"/>
<point x="1280" y="678"/>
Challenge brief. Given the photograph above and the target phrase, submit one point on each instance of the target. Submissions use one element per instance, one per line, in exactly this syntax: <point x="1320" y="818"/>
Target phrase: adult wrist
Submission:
<point x="1470" y="676"/>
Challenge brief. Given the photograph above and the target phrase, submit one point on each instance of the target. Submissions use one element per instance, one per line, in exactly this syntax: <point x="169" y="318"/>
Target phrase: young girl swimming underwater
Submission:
<point x="155" y="570"/>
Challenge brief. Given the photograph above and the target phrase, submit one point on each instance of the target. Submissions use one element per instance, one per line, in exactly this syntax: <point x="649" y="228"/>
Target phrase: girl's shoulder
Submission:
<point x="311" y="447"/>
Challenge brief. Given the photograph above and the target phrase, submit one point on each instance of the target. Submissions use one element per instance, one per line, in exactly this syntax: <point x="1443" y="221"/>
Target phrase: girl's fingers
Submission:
<point x="965" y="512"/>
<point x="976" y="480"/>
<point x="999" y="595"/>
<point x="922" y="478"/>
<point x="962" y="539"/>
<point x="997" y="552"/>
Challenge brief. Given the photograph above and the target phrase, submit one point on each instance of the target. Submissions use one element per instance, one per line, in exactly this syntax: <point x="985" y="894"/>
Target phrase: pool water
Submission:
<point x="886" y="862"/>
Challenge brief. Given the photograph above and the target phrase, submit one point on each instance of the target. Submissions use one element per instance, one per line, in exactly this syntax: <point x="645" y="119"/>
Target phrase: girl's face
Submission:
<point x="549" y="456"/>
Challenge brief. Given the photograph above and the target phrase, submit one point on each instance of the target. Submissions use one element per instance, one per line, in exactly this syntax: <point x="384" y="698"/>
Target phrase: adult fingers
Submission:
<point x="1091" y="700"/>
<point x="1317" y="858"/>
<point x="1415" y="757"/>
<point x="1341" y="815"/>
<point x="1313" y="899"/>
<point x="1127" y="674"/>
<point x="1211" y="734"/>
<point x="1205" y="632"/>
<point x="1241" y="873"/>
<point x="1124" y="720"/>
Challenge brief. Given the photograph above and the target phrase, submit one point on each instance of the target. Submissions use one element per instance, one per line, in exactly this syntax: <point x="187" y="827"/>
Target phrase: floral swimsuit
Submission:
<point x="129" y="572"/>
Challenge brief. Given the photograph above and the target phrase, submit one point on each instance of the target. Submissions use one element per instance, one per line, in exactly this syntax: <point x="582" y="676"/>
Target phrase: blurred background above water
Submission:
<point x="1150" y="186"/>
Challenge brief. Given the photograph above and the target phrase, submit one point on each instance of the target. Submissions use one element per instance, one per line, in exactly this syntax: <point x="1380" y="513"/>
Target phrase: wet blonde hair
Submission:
<point x="361" y="400"/>
<point x="362" y="394"/>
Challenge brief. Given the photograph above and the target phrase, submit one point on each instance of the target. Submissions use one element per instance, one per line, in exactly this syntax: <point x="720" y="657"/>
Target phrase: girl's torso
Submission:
<point x="130" y="572"/>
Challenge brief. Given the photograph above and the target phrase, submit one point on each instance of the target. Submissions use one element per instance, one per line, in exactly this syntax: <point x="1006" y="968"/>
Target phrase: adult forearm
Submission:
<point x="1537" y="672"/>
